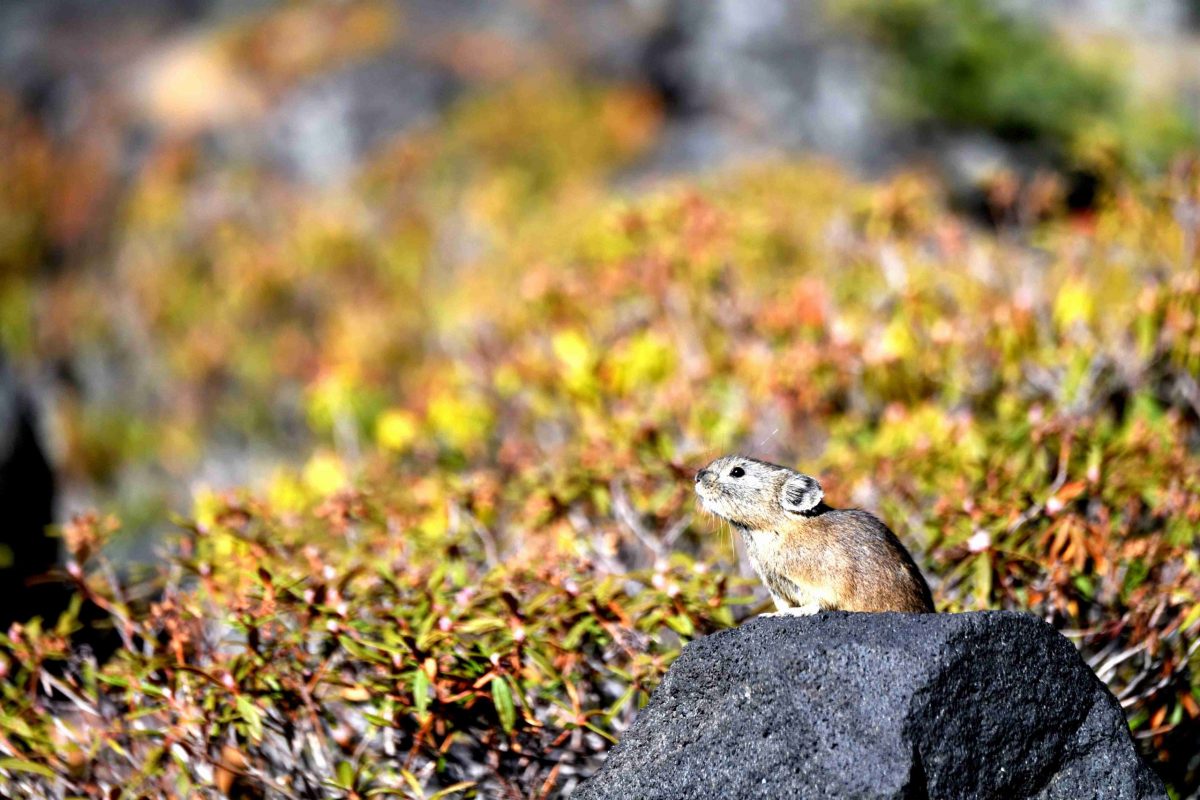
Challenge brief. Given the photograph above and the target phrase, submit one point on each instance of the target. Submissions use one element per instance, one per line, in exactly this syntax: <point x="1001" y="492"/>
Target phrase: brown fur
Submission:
<point x="820" y="557"/>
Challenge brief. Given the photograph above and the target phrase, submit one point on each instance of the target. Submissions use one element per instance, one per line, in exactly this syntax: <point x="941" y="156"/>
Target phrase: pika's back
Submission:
<point x="809" y="555"/>
<point x="876" y="571"/>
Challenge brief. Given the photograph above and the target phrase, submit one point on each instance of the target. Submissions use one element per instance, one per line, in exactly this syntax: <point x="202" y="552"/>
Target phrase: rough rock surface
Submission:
<point x="976" y="705"/>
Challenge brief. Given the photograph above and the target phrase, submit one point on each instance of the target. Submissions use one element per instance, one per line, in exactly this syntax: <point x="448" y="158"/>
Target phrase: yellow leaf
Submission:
<point x="356" y="694"/>
<point x="1073" y="304"/>
<point x="1191" y="619"/>
<point x="644" y="360"/>
<point x="286" y="493"/>
<point x="463" y="421"/>
<point x="507" y="380"/>
<point x="205" y="506"/>
<point x="325" y="473"/>
<point x="576" y="356"/>
<point x="396" y="429"/>
<point x="897" y="341"/>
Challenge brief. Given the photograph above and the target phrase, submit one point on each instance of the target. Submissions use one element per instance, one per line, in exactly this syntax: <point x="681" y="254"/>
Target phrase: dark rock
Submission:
<point x="978" y="705"/>
<point x="27" y="507"/>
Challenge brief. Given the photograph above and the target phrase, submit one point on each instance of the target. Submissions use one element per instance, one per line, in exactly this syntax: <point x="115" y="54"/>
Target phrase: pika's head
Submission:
<point x="754" y="494"/>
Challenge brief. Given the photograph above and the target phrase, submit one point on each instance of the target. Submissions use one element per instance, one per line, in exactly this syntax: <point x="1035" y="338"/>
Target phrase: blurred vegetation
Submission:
<point x="501" y="374"/>
<point x="973" y="65"/>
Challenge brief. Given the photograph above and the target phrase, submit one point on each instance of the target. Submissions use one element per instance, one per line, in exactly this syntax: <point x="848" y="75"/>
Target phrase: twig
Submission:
<point x="490" y="553"/>
<point x="1118" y="659"/>
<point x="1127" y="701"/>
<point x="1190" y="390"/>
<point x="628" y="516"/>
<point x="676" y="528"/>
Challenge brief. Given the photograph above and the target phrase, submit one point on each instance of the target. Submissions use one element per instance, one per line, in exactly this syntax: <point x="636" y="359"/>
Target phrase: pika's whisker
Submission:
<point x="769" y="438"/>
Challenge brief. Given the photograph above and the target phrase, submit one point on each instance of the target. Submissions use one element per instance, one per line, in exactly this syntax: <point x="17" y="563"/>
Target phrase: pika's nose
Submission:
<point x="701" y="475"/>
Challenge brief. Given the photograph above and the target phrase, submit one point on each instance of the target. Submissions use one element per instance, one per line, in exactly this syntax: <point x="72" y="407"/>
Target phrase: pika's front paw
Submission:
<point x="794" y="611"/>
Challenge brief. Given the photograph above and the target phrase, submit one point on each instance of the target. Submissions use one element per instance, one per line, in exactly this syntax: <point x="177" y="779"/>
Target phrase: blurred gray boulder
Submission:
<point x="322" y="129"/>
<point x="765" y="76"/>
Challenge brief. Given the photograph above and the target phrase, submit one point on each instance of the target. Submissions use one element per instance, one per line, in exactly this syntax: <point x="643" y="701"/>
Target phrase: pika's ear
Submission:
<point x="801" y="494"/>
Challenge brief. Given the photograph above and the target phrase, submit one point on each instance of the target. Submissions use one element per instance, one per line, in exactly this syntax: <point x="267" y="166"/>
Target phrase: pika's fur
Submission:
<point x="810" y="556"/>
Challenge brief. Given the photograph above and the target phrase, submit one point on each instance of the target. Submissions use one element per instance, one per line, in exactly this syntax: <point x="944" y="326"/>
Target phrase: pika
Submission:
<point x="810" y="556"/>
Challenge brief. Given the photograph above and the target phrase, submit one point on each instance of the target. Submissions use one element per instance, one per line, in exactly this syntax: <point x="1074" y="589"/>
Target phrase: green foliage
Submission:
<point x="971" y="64"/>
<point x="327" y="653"/>
<point x="503" y="573"/>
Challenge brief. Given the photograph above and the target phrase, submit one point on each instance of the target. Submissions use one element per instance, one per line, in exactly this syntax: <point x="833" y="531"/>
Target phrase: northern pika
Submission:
<point x="810" y="556"/>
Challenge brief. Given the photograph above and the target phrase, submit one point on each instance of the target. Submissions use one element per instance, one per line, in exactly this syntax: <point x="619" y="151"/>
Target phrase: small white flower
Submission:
<point x="979" y="541"/>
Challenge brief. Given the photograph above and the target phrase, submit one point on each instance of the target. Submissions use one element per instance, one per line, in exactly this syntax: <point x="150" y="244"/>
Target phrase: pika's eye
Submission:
<point x="737" y="472"/>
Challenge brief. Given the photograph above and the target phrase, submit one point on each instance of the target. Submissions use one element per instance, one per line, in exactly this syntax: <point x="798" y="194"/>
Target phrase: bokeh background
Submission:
<point x="434" y="307"/>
